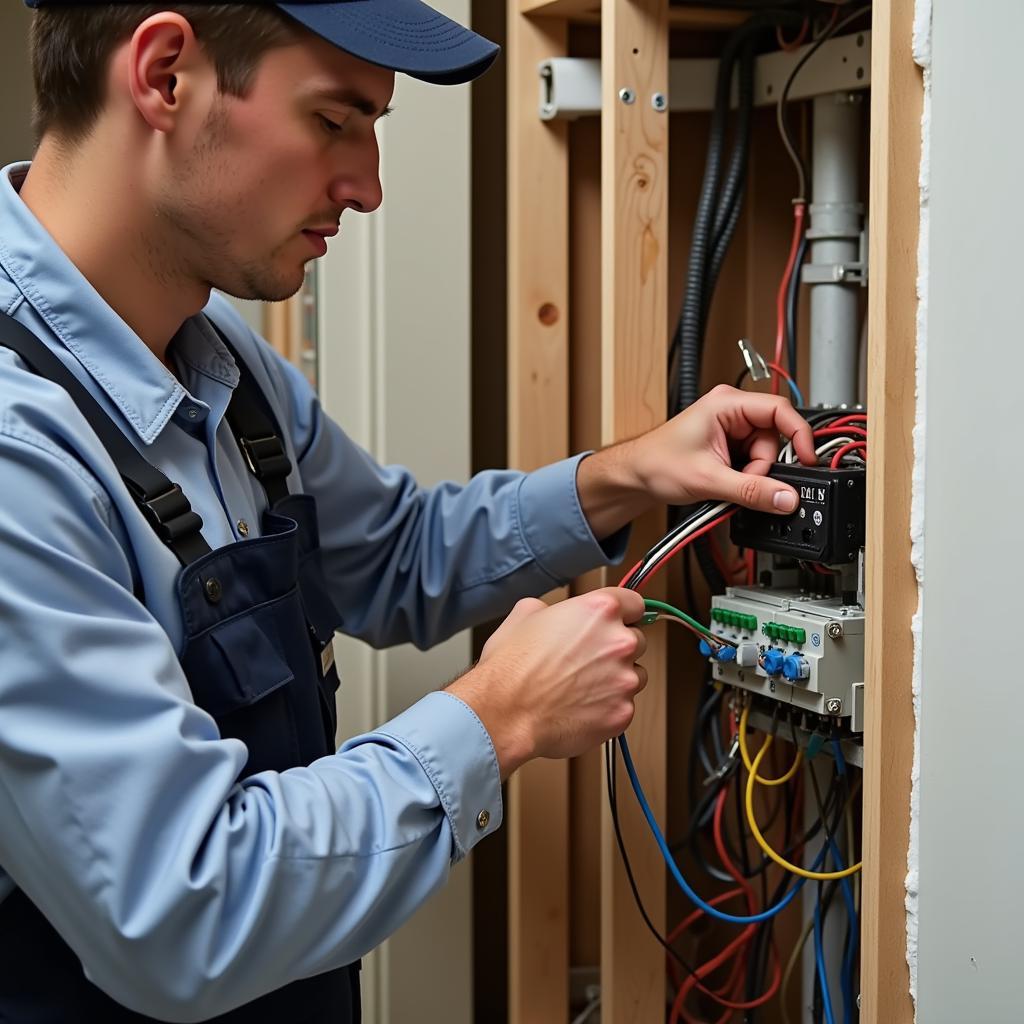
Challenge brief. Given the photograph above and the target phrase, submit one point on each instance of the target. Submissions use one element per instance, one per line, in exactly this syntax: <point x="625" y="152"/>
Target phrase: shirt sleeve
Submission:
<point x="413" y="564"/>
<point x="184" y="892"/>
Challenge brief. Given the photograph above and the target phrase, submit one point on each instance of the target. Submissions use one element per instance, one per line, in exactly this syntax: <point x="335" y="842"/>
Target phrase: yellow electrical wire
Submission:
<point x="745" y="754"/>
<point x="820" y="876"/>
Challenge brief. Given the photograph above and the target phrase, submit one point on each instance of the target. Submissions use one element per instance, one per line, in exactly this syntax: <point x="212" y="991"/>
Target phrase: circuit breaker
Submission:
<point x="797" y="648"/>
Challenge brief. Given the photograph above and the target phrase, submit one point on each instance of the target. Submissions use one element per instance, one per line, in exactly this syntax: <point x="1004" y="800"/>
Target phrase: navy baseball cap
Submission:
<point x="404" y="35"/>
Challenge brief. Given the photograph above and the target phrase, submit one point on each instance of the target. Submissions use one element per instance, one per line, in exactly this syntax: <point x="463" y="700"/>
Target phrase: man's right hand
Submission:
<point x="555" y="681"/>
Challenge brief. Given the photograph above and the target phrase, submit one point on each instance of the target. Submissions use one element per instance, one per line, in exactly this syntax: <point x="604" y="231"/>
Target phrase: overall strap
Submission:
<point x="256" y="430"/>
<point x="162" y="503"/>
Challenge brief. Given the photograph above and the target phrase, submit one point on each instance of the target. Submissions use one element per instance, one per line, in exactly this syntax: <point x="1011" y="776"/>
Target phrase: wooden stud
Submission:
<point x="282" y="326"/>
<point x="896" y="101"/>
<point x="538" y="230"/>
<point x="634" y="272"/>
<point x="589" y="11"/>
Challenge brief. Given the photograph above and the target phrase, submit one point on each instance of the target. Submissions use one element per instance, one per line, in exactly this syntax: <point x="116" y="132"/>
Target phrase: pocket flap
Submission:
<point x="241" y="667"/>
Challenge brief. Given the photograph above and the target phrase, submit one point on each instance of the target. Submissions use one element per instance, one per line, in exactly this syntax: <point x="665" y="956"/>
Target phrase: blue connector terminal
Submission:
<point x="724" y="653"/>
<point x="794" y="667"/>
<point x="773" y="659"/>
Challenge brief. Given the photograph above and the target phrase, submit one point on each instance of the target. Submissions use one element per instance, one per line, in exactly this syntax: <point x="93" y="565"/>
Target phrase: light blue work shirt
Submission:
<point x="183" y="891"/>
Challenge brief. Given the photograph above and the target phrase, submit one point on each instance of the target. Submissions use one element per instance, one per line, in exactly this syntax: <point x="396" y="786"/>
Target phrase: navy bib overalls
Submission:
<point x="258" y="624"/>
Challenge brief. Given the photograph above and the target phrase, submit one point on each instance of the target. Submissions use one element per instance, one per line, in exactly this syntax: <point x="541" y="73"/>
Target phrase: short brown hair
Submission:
<point x="71" y="48"/>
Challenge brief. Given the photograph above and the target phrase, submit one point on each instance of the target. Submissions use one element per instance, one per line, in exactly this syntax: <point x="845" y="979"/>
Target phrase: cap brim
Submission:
<point x="404" y="35"/>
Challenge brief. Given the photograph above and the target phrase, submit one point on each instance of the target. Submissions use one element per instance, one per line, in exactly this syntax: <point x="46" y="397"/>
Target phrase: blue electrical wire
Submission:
<point x="674" y="868"/>
<point x="798" y="397"/>
<point x="819" y="959"/>
<point x="851" y="947"/>
<point x="846" y="976"/>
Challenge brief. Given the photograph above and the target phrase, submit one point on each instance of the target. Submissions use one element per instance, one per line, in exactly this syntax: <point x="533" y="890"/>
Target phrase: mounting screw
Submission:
<point x="834" y="706"/>
<point x="627" y="95"/>
<point x="834" y="630"/>
<point x="659" y="102"/>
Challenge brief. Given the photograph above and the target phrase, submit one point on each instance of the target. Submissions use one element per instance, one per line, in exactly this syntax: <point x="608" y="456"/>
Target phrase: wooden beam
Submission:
<point x="678" y="17"/>
<point x="896" y="101"/>
<point x="634" y="287"/>
<point x="538" y="343"/>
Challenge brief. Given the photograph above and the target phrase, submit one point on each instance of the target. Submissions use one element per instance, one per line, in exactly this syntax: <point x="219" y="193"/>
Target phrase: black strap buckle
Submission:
<point x="266" y="457"/>
<point x="170" y="514"/>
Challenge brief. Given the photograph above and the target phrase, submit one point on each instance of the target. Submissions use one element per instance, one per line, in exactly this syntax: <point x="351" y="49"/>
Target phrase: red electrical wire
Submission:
<point x="795" y="44"/>
<point x="720" y="556"/>
<point x="852" y="418"/>
<point x="852" y="446"/>
<point x="734" y="948"/>
<point x="674" y="551"/>
<point x="775" y="368"/>
<point x="799" y="209"/>
<point x="840" y="432"/>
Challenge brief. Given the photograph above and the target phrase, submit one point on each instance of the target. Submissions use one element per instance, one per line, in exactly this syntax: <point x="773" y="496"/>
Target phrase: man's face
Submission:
<point x="251" y="195"/>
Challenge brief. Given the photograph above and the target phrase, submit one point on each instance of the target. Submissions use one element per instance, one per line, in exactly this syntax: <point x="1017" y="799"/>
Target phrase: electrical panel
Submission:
<point x="798" y="648"/>
<point x="827" y="527"/>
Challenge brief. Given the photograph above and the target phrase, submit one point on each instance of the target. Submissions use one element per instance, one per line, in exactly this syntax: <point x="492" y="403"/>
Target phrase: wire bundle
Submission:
<point x="754" y="973"/>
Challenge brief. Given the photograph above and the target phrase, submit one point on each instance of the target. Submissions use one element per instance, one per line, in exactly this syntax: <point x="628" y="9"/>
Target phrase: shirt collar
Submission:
<point x="114" y="356"/>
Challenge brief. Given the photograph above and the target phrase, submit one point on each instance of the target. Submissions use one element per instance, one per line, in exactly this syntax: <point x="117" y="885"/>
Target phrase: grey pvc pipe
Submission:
<point x="835" y="209"/>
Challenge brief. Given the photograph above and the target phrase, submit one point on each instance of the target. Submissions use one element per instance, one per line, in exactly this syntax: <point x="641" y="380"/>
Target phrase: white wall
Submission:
<point x="972" y="699"/>
<point x="394" y="370"/>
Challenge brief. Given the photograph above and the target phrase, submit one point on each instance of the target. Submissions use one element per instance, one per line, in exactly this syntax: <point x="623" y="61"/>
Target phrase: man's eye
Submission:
<point x="332" y="127"/>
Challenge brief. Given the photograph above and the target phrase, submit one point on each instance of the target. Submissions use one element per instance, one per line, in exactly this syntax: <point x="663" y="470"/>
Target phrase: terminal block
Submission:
<point x="797" y="648"/>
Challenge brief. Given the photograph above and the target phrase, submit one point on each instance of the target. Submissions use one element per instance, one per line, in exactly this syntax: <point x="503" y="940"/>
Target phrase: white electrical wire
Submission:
<point x="672" y="540"/>
<point x="788" y="456"/>
<point x="585" y="1014"/>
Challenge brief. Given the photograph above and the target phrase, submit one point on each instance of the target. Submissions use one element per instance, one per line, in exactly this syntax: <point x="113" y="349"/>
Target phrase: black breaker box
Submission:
<point x="828" y="526"/>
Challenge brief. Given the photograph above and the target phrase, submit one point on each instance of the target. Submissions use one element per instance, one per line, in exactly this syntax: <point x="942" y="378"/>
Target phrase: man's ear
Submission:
<point x="163" y="55"/>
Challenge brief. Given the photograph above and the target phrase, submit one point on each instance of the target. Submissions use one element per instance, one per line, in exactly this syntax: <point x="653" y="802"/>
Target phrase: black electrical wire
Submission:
<point x="734" y="187"/>
<point x="794" y="155"/>
<point x="610" y="769"/>
<point x="689" y="336"/>
<point x="644" y="566"/>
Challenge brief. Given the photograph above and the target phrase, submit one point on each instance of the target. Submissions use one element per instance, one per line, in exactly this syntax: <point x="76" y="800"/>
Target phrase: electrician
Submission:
<point x="182" y="530"/>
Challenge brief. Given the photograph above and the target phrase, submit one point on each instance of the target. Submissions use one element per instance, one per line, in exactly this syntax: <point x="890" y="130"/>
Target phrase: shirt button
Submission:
<point x="213" y="590"/>
<point x="243" y="527"/>
<point x="192" y="412"/>
<point x="483" y="819"/>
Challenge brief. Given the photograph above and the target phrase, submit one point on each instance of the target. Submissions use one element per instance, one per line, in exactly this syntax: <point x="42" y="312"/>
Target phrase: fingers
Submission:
<point x="742" y="413"/>
<point x="523" y="609"/>
<point x="641" y="642"/>
<point x="626" y="605"/>
<point x="641" y="675"/>
<point x="752" y="490"/>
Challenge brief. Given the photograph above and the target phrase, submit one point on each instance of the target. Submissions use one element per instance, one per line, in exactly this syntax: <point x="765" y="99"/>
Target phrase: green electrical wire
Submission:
<point x="659" y="606"/>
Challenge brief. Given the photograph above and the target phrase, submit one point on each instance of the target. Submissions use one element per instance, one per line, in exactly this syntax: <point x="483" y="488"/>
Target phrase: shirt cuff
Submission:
<point x="455" y="751"/>
<point x="556" y="530"/>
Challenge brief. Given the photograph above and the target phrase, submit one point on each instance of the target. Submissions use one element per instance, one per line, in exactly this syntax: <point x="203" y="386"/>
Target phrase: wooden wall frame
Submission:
<point x="634" y="315"/>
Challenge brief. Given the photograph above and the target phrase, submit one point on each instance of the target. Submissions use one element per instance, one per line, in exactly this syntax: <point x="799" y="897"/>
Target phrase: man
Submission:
<point x="181" y="841"/>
